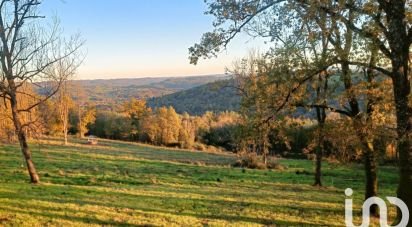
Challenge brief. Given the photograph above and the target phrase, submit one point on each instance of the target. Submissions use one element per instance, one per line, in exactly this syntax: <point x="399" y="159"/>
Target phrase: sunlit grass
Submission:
<point x="127" y="184"/>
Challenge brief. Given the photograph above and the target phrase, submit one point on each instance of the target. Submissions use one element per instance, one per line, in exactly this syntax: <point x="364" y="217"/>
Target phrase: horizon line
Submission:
<point x="152" y="77"/>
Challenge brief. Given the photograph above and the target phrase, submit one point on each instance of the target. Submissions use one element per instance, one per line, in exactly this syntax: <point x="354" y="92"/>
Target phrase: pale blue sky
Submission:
<point x="138" y="38"/>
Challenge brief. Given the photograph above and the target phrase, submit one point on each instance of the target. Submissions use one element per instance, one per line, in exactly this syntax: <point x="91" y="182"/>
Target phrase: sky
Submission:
<point x="142" y="38"/>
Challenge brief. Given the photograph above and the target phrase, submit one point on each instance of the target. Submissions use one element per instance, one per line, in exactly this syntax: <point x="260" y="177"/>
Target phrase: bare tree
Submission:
<point x="29" y="54"/>
<point x="65" y="68"/>
<point x="64" y="103"/>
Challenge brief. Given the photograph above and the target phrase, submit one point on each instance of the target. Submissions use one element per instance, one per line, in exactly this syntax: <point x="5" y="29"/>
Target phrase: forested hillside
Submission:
<point x="217" y="96"/>
<point x="104" y="94"/>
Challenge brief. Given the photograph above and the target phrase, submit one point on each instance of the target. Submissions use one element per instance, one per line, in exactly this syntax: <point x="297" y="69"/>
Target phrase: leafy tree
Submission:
<point x="87" y="117"/>
<point x="220" y="129"/>
<point x="169" y="124"/>
<point x="136" y="110"/>
<point x="150" y="129"/>
<point x="162" y="127"/>
<point x="385" y="24"/>
<point x="111" y="125"/>
<point x="187" y="131"/>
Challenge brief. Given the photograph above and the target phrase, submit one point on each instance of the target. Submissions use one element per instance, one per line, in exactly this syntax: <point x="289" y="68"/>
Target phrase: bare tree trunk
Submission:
<point x="371" y="187"/>
<point x="34" y="177"/>
<point x="321" y="92"/>
<point x="65" y="119"/>
<point x="265" y="152"/>
<point x="80" y="122"/>
<point x="65" y="135"/>
<point x="265" y="159"/>
<point x="405" y="168"/>
<point x="318" y="173"/>
<point x="265" y="149"/>
<point x="404" y="131"/>
<point x="64" y="113"/>
<point x="321" y="115"/>
<point x="319" y="157"/>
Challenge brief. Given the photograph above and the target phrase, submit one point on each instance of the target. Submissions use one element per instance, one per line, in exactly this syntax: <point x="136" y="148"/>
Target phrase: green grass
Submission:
<point x="126" y="184"/>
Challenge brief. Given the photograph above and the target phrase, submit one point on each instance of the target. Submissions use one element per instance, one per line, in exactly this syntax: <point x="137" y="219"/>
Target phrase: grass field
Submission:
<point x="126" y="184"/>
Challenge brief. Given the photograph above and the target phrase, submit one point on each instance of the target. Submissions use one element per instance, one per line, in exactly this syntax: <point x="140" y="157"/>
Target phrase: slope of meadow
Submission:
<point x="126" y="184"/>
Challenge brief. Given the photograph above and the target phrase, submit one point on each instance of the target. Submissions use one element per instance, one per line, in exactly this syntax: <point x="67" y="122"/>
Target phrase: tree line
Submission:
<point x="135" y="121"/>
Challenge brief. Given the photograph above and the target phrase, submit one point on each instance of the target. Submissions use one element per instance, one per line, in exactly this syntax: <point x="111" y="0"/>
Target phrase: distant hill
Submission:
<point x="105" y="94"/>
<point x="217" y="96"/>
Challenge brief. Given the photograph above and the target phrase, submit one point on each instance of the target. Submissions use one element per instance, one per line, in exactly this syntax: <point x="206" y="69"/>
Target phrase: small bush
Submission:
<point x="211" y="148"/>
<point x="254" y="161"/>
<point x="214" y="149"/>
<point x="250" y="161"/>
<point x="199" y="147"/>
<point x="273" y="163"/>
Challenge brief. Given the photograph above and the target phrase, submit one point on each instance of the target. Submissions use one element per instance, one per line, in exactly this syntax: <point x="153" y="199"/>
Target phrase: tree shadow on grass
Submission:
<point x="51" y="215"/>
<point x="48" y="213"/>
<point x="167" y="205"/>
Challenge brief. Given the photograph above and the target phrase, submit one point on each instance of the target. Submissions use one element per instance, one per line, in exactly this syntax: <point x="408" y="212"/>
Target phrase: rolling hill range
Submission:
<point x="194" y="95"/>
<point x="107" y="93"/>
<point x="217" y="96"/>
